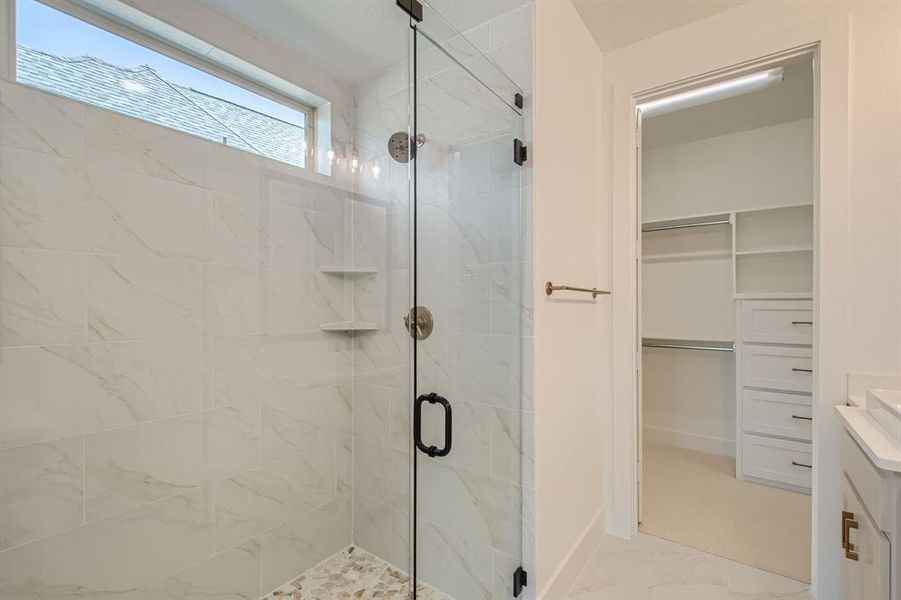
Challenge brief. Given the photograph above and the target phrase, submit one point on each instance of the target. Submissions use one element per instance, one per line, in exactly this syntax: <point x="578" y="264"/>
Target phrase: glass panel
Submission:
<point x="65" y="55"/>
<point x="205" y="381"/>
<point x="470" y="276"/>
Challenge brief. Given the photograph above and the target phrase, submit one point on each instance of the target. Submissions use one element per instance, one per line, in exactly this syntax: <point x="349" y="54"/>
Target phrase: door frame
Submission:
<point x="808" y="52"/>
<point x="828" y="39"/>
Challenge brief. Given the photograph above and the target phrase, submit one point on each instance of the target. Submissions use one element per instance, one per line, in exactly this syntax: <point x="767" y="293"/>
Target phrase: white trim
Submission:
<point x="831" y="37"/>
<point x="567" y="572"/>
<point x="688" y="441"/>
<point x="8" y="44"/>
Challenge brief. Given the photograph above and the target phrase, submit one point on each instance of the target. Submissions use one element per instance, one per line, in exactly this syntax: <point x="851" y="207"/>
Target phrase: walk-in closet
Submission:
<point x="726" y="316"/>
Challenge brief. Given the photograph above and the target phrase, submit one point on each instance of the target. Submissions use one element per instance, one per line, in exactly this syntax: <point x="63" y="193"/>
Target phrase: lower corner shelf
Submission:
<point x="349" y="326"/>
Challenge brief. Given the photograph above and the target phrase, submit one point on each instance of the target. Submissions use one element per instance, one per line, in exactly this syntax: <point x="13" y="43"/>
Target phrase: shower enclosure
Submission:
<point x="228" y="375"/>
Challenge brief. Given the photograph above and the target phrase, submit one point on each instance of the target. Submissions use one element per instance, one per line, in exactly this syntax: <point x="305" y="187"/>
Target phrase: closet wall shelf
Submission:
<point x="773" y="296"/>
<point x="687" y="255"/>
<point x="339" y="270"/>
<point x="774" y="250"/>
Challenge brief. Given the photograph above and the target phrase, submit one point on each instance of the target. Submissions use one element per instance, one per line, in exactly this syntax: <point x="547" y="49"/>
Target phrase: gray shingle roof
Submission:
<point x="141" y="92"/>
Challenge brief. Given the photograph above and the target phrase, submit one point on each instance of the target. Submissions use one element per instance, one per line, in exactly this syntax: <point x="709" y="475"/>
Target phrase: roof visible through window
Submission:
<point x="65" y="55"/>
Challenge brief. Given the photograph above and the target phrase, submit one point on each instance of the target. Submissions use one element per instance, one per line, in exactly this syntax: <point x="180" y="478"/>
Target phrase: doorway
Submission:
<point x="726" y="306"/>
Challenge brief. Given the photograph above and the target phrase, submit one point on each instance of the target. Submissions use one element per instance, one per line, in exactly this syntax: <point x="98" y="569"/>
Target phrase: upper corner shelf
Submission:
<point x="339" y="270"/>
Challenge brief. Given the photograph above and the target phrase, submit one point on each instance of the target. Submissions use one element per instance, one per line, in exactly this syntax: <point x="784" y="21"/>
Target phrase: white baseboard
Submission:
<point x="688" y="441"/>
<point x="566" y="573"/>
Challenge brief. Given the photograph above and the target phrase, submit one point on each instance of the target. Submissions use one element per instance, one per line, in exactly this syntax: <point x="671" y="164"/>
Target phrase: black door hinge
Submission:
<point x="517" y="100"/>
<point x="520" y="152"/>
<point x="412" y="8"/>
<point x="520" y="580"/>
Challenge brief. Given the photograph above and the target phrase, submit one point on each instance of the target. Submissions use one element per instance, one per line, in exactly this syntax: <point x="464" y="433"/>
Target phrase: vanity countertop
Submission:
<point x="879" y="445"/>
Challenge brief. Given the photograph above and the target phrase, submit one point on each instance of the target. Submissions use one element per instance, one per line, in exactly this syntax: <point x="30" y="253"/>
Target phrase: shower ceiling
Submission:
<point x="334" y="34"/>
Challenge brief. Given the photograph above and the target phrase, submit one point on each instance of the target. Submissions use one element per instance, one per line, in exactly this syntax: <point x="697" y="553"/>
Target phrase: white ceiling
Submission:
<point x="353" y="40"/>
<point x="618" y="23"/>
<point x="781" y="103"/>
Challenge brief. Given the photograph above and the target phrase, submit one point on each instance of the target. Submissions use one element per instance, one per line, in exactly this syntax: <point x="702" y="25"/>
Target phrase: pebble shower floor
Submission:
<point x="353" y="574"/>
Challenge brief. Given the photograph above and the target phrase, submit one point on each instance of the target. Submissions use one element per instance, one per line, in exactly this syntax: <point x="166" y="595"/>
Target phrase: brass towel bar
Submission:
<point x="550" y="288"/>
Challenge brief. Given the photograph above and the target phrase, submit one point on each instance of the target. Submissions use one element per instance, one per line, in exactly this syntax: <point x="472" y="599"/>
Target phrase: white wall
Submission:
<point x="859" y="316"/>
<point x="758" y="168"/>
<point x="572" y="358"/>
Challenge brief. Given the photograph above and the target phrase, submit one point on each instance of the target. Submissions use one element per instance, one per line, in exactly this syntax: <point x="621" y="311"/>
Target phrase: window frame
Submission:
<point x="155" y="43"/>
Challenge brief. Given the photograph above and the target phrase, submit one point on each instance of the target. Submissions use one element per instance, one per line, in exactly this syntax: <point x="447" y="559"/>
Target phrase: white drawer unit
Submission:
<point x="777" y="367"/>
<point x="781" y="461"/>
<point x="777" y="321"/>
<point x="777" y="413"/>
<point x="775" y="392"/>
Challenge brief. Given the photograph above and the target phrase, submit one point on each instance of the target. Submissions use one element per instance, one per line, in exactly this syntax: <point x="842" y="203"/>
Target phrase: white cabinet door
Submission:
<point x="866" y="567"/>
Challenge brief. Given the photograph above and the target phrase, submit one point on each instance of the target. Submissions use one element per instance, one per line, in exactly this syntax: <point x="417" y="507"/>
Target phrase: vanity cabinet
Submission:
<point x="869" y="526"/>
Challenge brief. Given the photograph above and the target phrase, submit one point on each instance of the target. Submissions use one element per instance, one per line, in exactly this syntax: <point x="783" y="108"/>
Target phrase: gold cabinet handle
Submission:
<point x="848" y="523"/>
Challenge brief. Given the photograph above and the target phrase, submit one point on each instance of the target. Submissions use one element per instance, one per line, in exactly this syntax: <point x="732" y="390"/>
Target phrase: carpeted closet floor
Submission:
<point x="693" y="499"/>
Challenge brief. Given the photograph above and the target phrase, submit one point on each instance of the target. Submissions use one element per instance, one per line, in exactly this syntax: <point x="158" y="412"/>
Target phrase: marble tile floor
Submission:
<point x="649" y="568"/>
<point x="353" y="574"/>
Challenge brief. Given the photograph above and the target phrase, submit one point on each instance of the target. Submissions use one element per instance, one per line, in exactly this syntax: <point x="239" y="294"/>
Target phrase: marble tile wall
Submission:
<point x="474" y="230"/>
<point x="173" y="423"/>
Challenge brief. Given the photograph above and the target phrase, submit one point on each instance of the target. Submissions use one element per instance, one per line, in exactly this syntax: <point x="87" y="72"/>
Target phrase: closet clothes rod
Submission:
<point x="689" y="345"/>
<point x="685" y="225"/>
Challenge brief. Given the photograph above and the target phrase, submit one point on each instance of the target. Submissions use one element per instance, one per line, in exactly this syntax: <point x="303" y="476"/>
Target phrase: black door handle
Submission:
<point x="433" y="398"/>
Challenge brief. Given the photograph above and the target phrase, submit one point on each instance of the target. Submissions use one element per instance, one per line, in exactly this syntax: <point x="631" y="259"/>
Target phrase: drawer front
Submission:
<point x="777" y="368"/>
<point x="777" y="322"/>
<point x="777" y="460"/>
<point x="774" y="413"/>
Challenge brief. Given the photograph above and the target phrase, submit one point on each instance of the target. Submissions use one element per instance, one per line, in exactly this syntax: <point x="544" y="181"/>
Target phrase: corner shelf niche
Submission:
<point x="349" y="326"/>
<point x="340" y="270"/>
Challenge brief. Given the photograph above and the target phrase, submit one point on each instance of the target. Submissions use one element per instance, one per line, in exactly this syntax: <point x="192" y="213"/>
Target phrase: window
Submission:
<point x="60" y="53"/>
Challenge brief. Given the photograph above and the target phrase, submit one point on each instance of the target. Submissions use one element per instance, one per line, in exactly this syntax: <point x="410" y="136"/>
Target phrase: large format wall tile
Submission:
<point x="305" y="419"/>
<point x="129" y="467"/>
<point x="259" y="500"/>
<point x="129" y="144"/>
<point x="40" y="490"/>
<point x="235" y="297"/>
<point x="134" y="298"/>
<point x="296" y="546"/>
<point x="454" y="565"/>
<point x="474" y="506"/>
<point x="248" y="368"/>
<point x="115" y="557"/>
<point x="41" y="297"/>
<point x="41" y="122"/>
<point x="382" y="474"/>
<point x="58" y="391"/>
<point x="230" y="575"/>
<point x="53" y="203"/>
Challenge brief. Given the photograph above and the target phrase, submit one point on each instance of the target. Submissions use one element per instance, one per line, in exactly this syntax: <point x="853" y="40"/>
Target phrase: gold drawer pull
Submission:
<point x="800" y="370"/>
<point x="845" y="516"/>
<point x="802" y="418"/>
<point x="848" y="523"/>
<point x="797" y="464"/>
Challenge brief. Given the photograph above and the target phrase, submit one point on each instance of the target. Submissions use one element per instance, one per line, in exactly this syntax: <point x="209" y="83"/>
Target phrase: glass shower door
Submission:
<point x="471" y="278"/>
